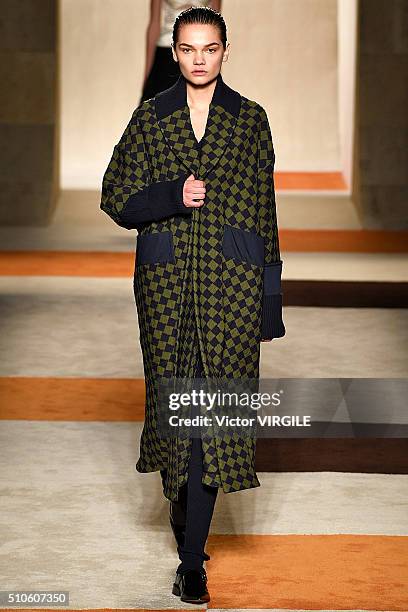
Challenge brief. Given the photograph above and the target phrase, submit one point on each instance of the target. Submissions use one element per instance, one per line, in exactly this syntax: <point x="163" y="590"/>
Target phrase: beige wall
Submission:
<point x="283" y="55"/>
<point x="347" y="37"/>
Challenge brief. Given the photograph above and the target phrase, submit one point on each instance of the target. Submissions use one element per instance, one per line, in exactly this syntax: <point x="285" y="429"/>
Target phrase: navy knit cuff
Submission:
<point x="155" y="202"/>
<point x="179" y="205"/>
<point x="272" y="277"/>
<point x="272" y="322"/>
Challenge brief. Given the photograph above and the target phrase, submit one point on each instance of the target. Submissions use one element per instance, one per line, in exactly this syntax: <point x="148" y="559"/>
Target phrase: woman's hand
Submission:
<point x="193" y="192"/>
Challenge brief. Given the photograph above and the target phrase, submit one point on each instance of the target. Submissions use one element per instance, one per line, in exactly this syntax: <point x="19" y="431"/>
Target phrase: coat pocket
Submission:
<point x="243" y="245"/>
<point x="154" y="248"/>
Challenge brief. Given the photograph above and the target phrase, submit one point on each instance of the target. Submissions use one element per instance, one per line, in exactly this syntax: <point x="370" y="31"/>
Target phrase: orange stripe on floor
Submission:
<point x="311" y="572"/>
<point x="72" y="399"/>
<point x="344" y="241"/>
<point x="316" y="181"/>
<point x="66" y="263"/>
<point x="110" y="264"/>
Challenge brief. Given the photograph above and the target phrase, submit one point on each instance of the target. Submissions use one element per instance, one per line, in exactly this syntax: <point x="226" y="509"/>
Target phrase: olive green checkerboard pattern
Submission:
<point x="203" y="302"/>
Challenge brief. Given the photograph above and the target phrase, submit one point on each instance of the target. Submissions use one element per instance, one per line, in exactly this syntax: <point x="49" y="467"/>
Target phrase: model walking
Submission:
<point x="193" y="173"/>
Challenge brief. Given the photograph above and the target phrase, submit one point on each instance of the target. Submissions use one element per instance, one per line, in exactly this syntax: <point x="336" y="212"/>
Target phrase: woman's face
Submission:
<point x="199" y="52"/>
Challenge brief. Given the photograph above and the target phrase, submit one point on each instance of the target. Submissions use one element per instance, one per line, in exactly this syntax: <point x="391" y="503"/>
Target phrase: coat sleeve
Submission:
<point x="272" y="322"/>
<point x="129" y="196"/>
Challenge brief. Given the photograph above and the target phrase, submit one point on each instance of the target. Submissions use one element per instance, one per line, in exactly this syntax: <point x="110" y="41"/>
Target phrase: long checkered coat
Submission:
<point x="206" y="279"/>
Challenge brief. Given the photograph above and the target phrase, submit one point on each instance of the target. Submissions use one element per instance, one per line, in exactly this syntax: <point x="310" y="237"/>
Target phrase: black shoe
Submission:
<point x="191" y="586"/>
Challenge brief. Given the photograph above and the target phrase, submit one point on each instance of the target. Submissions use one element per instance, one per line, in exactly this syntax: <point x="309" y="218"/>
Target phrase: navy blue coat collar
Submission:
<point x="175" y="98"/>
<point x="173" y="117"/>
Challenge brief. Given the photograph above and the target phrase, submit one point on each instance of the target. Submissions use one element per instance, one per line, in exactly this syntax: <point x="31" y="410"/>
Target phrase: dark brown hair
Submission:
<point x="200" y="14"/>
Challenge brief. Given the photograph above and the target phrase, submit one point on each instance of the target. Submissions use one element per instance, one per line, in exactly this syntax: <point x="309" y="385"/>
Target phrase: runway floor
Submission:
<point x="76" y="515"/>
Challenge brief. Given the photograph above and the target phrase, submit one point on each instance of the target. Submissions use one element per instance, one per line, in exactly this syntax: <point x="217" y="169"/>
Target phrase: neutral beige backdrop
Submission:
<point x="284" y="55"/>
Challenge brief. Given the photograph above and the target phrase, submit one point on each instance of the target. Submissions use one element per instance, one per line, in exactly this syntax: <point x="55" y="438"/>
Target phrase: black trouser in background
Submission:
<point x="163" y="73"/>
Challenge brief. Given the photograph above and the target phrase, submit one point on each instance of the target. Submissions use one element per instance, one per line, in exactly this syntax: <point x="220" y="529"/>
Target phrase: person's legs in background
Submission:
<point x="163" y="73"/>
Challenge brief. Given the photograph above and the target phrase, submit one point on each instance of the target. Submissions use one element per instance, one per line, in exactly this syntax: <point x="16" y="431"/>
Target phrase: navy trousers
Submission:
<point x="200" y="502"/>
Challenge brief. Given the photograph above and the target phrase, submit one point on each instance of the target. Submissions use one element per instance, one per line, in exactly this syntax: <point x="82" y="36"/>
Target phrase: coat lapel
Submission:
<point x="173" y="117"/>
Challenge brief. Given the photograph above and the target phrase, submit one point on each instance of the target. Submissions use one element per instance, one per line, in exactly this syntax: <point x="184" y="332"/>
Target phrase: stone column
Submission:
<point x="29" y="166"/>
<point x="381" y="137"/>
